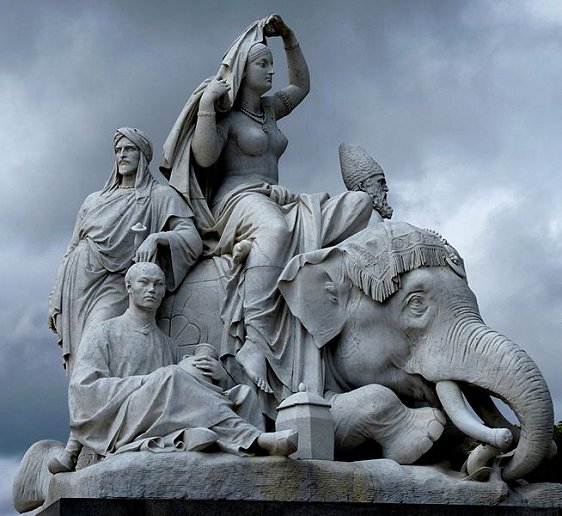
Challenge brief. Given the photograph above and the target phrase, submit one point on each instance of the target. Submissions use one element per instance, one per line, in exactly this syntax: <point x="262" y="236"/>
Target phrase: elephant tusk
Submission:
<point x="480" y="456"/>
<point x="486" y="409"/>
<point x="453" y="402"/>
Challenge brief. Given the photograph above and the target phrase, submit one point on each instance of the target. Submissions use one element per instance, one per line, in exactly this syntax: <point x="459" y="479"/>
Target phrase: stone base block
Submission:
<point x="88" y="507"/>
<point x="146" y="483"/>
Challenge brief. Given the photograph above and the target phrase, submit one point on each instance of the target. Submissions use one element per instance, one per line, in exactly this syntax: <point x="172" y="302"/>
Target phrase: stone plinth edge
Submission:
<point x="190" y="476"/>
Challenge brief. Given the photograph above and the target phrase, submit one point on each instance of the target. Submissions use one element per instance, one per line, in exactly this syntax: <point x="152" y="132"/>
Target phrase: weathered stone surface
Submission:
<point x="379" y="320"/>
<point x="115" y="507"/>
<point x="203" y="476"/>
<point x="310" y="415"/>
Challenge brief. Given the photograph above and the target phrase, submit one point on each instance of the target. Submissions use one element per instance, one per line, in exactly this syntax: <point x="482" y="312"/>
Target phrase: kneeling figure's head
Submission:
<point x="146" y="285"/>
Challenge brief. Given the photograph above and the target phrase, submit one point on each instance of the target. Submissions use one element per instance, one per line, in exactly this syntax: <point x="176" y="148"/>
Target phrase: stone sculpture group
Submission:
<point x="257" y="292"/>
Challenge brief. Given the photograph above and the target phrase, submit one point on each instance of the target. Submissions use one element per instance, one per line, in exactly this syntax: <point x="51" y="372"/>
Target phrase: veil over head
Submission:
<point x="176" y="163"/>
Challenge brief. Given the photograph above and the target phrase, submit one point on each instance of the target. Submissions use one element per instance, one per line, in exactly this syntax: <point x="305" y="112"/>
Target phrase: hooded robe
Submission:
<point x="90" y="284"/>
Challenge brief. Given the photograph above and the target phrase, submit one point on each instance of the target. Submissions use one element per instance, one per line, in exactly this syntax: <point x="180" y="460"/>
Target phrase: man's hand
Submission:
<point x="212" y="369"/>
<point x="147" y="250"/>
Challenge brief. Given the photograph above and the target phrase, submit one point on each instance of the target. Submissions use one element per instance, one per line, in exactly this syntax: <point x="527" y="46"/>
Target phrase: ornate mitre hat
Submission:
<point x="356" y="165"/>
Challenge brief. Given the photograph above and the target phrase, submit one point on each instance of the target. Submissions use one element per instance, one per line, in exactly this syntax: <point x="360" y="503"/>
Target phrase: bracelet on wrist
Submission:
<point x="206" y="113"/>
<point x="290" y="46"/>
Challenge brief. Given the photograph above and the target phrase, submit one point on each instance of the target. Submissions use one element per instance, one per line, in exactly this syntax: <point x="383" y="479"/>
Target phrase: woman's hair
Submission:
<point x="256" y="51"/>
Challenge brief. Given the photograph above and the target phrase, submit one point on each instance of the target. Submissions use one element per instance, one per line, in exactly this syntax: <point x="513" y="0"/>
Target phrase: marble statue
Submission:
<point x="247" y="298"/>
<point x="89" y="287"/>
<point x="222" y="154"/>
<point x="360" y="172"/>
<point x="126" y="391"/>
<point x="404" y="322"/>
<point x="393" y="317"/>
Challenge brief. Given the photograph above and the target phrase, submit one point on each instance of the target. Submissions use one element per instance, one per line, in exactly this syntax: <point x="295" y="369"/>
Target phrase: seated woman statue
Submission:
<point x="222" y="154"/>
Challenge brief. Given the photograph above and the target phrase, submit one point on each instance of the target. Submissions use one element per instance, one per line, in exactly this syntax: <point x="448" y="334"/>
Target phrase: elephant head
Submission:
<point x="395" y="307"/>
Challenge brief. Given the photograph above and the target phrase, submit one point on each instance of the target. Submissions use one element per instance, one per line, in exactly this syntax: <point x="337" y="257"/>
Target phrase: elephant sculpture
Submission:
<point x="401" y="339"/>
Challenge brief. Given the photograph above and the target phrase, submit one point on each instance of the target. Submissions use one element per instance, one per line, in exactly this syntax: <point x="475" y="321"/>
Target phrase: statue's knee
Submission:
<point x="280" y="232"/>
<point x="360" y="200"/>
<point x="273" y="236"/>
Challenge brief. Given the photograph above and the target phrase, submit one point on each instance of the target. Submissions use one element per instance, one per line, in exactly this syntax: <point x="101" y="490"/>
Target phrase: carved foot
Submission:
<point x="64" y="463"/>
<point x="252" y="360"/>
<point x="241" y="251"/>
<point x="414" y="436"/>
<point x="282" y="443"/>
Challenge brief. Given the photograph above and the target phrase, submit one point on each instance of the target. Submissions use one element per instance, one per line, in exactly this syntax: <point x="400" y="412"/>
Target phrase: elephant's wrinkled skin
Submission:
<point x="422" y="339"/>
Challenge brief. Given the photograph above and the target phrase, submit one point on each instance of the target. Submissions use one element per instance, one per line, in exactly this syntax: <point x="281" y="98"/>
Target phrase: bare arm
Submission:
<point x="209" y="137"/>
<point x="288" y="98"/>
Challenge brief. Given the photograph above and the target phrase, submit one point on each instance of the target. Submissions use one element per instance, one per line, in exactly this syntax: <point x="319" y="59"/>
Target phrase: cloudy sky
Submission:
<point x="460" y="102"/>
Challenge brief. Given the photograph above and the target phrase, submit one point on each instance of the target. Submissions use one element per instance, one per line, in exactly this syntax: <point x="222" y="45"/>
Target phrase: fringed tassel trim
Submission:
<point x="376" y="289"/>
<point x="419" y="256"/>
<point x="381" y="288"/>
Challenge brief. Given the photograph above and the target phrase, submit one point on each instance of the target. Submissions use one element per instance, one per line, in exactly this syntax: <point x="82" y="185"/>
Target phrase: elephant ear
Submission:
<point x="316" y="294"/>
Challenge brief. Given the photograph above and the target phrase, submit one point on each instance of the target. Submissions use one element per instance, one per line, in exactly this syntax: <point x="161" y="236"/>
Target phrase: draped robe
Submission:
<point x="126" y="393"/>
<point x="90" y="284"/>
<point x="315" y="221"/>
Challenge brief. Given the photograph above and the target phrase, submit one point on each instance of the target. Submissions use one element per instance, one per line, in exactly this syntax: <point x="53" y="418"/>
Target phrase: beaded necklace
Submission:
<point x="259" y="118"/>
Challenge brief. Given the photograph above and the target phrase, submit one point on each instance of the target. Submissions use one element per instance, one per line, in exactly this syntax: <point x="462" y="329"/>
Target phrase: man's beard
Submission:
<point x="380" y="205"/>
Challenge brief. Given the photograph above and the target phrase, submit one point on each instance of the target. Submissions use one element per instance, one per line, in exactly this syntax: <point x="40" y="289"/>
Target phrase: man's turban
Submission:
<point x="138" y="137"/>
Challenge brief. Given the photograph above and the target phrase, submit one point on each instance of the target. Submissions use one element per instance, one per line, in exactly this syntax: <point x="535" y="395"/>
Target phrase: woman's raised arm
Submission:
<point x="288" y="98"/>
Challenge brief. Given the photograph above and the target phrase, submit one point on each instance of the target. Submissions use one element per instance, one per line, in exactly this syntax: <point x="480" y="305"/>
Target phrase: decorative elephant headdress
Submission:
<point x="371" y="260"/>
<point x="375" y="258"/>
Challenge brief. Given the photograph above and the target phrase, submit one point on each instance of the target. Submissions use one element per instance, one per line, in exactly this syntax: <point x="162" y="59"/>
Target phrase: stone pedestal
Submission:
<point x="203" y="483"/>
<point x="310" y="415"/>
<point x="88" y="507"/>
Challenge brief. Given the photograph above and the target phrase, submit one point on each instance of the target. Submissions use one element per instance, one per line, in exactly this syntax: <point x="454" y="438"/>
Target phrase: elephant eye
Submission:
<point x="417" y="304"/>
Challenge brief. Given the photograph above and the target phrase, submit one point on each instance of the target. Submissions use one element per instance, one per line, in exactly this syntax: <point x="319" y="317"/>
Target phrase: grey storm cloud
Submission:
<point x="459" y="102"/>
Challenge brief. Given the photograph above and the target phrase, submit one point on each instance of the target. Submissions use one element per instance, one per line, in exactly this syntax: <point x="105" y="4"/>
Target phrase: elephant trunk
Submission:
<point x="474" y="354"/>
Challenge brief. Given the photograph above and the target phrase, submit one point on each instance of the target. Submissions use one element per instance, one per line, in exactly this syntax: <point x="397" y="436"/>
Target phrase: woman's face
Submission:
<point x="258" y="74"/>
